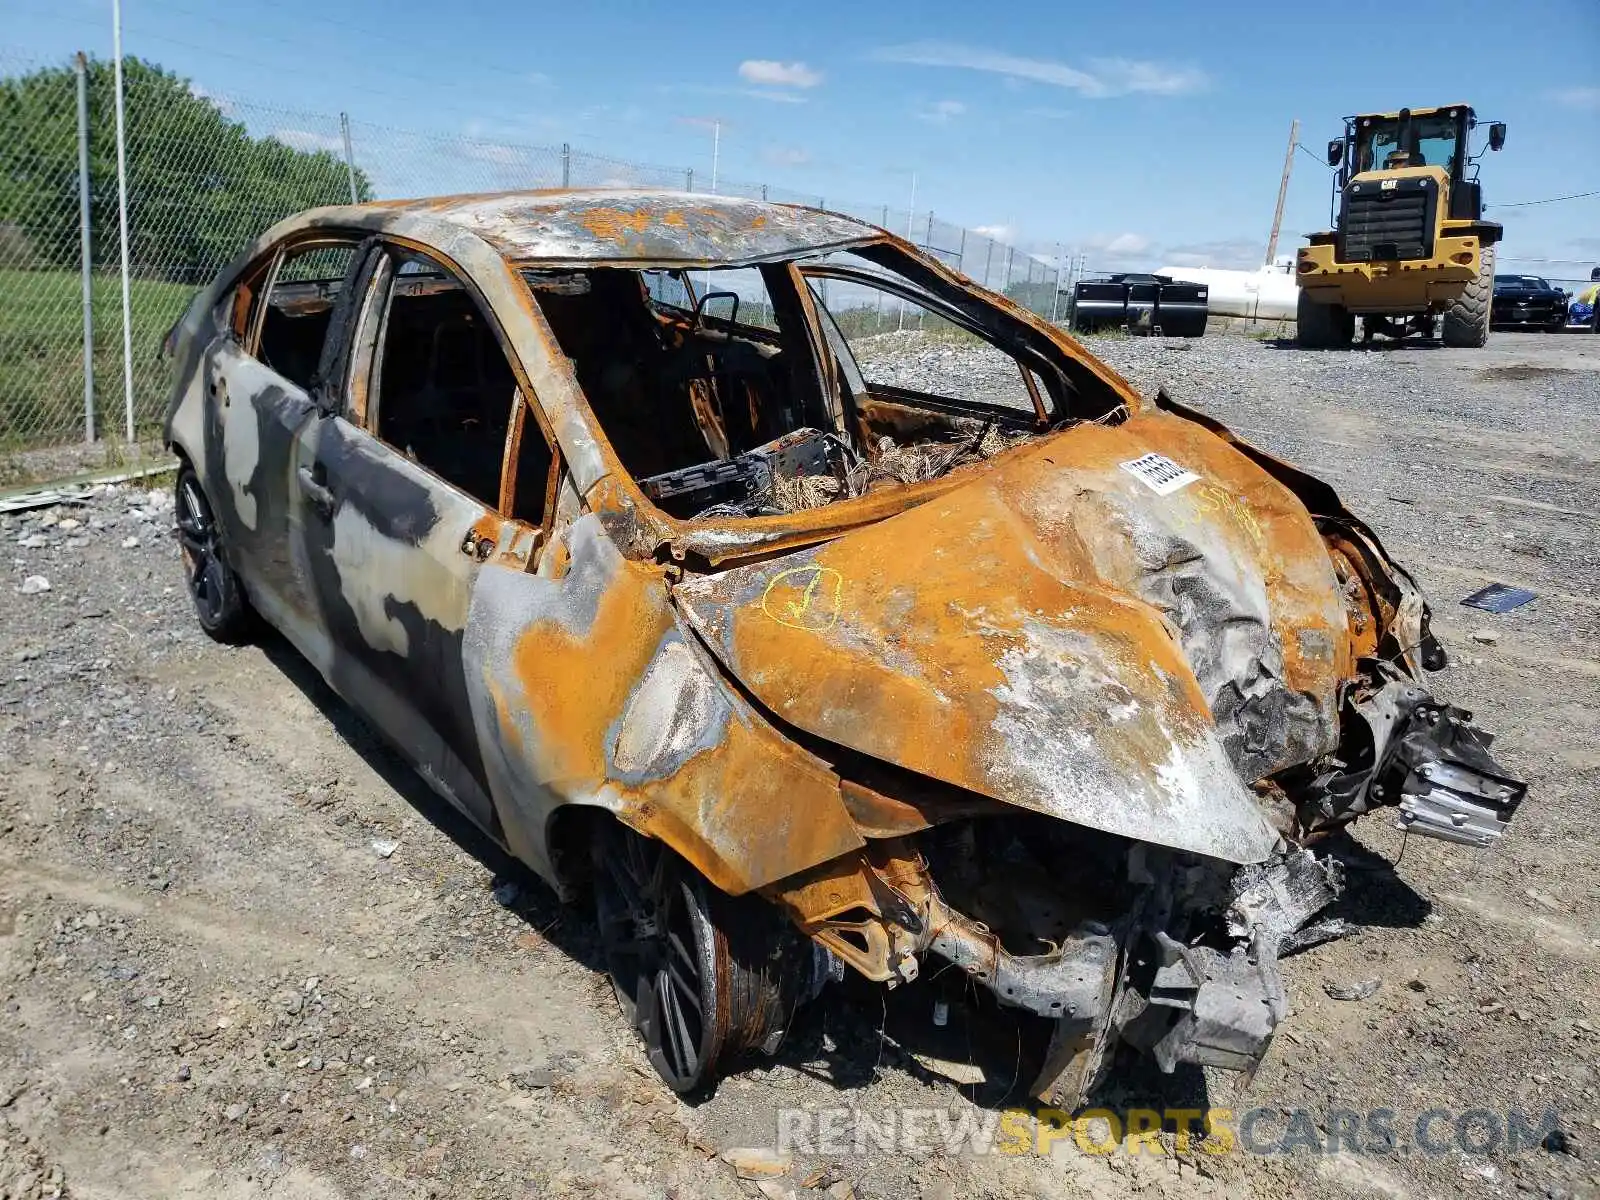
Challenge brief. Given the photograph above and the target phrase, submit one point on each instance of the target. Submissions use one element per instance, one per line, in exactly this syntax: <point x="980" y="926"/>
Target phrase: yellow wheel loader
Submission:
<point x="1409" y="246"/>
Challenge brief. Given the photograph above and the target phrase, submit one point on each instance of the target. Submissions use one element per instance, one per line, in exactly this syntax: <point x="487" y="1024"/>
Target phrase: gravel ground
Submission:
<point x="243" y="953"/>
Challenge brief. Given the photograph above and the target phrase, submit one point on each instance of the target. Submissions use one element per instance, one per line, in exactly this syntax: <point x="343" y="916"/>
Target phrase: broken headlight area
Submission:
<point x="1102" y="940"/>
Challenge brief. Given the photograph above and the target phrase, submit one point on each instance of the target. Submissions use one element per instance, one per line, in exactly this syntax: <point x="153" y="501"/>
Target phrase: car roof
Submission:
<point x="611" y="226"/>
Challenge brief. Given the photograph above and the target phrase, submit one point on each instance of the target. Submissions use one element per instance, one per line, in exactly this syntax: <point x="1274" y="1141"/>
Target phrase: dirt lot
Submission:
<point x="243" y="953"/>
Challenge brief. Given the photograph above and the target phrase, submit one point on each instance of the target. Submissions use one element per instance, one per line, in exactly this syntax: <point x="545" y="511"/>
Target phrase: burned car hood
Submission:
<point x="1119" y="626"/>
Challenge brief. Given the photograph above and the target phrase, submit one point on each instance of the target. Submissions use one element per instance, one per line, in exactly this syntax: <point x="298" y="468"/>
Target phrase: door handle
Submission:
<point x="319" y="495"/>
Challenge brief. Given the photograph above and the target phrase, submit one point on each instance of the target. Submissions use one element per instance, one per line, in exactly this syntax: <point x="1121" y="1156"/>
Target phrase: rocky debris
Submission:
<point x="754" y="1162"/>
<point x="1359" y="990"/>
<point x="33" y="585"/>
<point x="26" y="1171"/>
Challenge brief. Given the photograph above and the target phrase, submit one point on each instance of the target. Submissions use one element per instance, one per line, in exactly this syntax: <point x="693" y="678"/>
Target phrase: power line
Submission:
<point x="1313" y="156"/>
<point x="1548" y="200"/>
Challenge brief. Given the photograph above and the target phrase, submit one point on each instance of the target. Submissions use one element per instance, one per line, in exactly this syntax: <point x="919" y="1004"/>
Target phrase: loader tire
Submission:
<point x="1322" y="326"/>
<point x="1466" y="321"/>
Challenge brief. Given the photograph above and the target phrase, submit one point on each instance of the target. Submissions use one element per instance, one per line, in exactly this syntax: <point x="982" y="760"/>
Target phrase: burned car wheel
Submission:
<point x="219" y="601"/>
<point x="701" y="976"/>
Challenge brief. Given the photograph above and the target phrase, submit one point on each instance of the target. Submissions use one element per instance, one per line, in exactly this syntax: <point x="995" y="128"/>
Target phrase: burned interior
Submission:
<point x="715" y="393"/>
<point x="662" y="536"/>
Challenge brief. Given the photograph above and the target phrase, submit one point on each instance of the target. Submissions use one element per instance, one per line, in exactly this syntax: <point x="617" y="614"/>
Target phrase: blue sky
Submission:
<point x="1139" y="133"/>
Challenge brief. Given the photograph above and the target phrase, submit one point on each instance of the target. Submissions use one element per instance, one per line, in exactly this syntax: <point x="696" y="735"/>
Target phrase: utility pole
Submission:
<point x="716" y="148"/>
<point x="1283" y="190"/>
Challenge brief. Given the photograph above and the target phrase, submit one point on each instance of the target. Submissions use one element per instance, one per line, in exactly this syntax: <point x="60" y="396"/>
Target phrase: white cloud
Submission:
<point x="496" y="153"/>
<point x="304" y="139"/>
<point x="1228" y="253"/>
<point x="942" y="111"/>
<point x="1122" y="243"/>
<point x="770" y="73"/>
<point x="1576" y="97"/>
<point x="786" y="156"/>
<point x="1131" y="75"/>
<point x="1000" y="233"/>
<point x="1107" y="76"/>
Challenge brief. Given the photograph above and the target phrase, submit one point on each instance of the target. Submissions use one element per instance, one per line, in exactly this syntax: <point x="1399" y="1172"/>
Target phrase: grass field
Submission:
<point x="41" y="354"/>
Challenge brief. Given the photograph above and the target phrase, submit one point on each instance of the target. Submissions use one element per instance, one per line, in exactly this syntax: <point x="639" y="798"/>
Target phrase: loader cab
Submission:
<point x="1376" y="144"/>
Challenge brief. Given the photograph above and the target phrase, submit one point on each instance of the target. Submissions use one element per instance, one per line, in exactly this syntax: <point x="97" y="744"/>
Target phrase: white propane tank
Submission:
<point x="1265" y="294"/>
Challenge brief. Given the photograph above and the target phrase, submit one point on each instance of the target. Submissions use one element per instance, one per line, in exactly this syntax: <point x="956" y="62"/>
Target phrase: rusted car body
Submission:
<point x="1064" y="703"/>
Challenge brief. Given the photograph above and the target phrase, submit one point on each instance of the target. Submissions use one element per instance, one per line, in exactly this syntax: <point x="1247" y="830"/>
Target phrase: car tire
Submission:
<point x="1466" y="320"/>
<point x="703" y="977"/>
<point x="219" y="600"/>
<point x="1322" y="326"/>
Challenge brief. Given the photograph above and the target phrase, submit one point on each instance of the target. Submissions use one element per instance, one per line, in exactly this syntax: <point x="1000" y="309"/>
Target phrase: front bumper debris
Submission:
<point x="1450" y="787"/>
<point x="1426" y="758"/>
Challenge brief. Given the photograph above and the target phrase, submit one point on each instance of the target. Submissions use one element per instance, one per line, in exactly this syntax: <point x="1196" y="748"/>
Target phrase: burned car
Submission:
<point x="624" y="516"/>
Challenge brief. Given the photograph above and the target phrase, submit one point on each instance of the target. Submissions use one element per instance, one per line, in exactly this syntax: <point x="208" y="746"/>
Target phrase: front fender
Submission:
<point x="585" y="691"/>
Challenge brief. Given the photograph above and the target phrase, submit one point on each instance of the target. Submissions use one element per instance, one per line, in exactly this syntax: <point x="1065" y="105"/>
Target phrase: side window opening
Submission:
<point x="293" y="322"/>
<point x="902" y="347"/>
<point x="442" y="392"/>
<point x="681" y="370"/>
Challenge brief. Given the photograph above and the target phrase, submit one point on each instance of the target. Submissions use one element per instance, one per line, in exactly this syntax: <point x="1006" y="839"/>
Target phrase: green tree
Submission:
<point x="199" y="185"/>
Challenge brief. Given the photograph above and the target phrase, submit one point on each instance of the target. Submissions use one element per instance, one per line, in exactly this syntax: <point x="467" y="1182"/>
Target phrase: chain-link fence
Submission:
<point x="204" y="174"/>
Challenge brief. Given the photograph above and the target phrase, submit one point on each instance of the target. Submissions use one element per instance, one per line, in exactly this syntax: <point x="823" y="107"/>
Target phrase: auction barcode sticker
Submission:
<point x="1159" y="473"/>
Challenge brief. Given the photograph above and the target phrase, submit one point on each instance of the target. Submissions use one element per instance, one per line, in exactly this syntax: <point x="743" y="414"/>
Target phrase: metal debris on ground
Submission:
<point x="1499" y="598"/>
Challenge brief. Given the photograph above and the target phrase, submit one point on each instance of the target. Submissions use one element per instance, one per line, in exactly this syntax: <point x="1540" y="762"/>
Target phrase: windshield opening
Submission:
<point x="1430" y="142"/>
<point x="762" y="390"/>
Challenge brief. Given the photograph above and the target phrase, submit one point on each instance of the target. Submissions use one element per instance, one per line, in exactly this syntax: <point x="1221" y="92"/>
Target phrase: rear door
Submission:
<point x="259" y="382"/>
<point x="400" y="485"/>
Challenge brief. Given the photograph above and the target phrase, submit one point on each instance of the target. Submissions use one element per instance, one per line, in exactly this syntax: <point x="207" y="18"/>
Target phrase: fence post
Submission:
<point x="763" y="193"/>
<point x="80" y="67"/>
<point x="122" y="219"/>
<point x="349" y="157"/>
<point x="988" y="257"/>
<point x="961" y="251"/>
<point x="1055" y="287"/>
<point x="566" y="164"/>
<point x="688" y="179"/>
<point x="927" y="242"/>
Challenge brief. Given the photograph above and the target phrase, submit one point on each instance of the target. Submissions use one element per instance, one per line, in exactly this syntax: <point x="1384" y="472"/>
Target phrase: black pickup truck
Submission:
<point x="1527" y="300"/>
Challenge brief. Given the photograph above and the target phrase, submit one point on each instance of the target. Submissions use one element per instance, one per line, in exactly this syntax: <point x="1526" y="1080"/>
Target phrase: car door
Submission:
<point x="259" y="382"/>
<point x="399" y="485"/>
